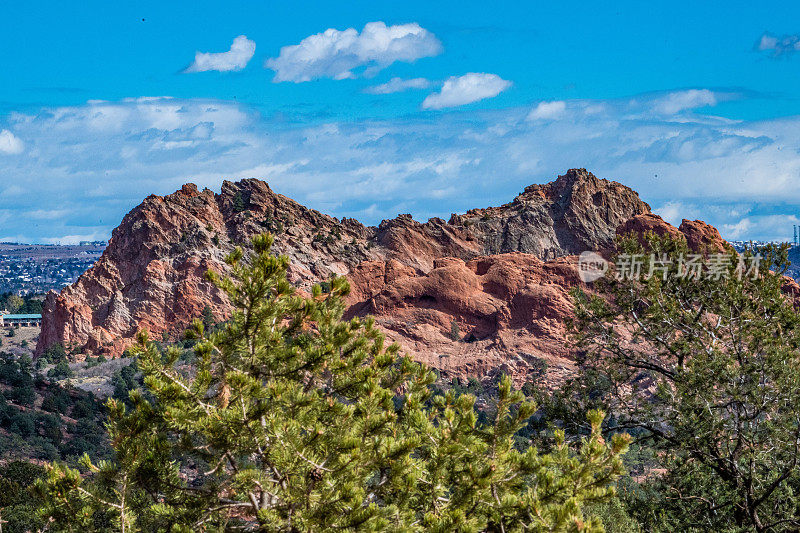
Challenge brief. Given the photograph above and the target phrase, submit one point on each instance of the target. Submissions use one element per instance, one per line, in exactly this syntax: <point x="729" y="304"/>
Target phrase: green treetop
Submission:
<point x="707" y="368"/>
<point x="294" y="420"/>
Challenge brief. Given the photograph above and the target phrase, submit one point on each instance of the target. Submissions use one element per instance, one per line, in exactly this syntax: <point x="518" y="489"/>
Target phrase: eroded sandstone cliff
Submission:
<point x="499" y="276"/>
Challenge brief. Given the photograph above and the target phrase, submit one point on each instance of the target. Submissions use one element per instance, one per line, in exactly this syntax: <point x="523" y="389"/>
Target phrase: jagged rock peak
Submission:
<point x="152" y="273"/>
<point x="576" y="212"/>
<point x="564" y="182"/>
<point x="575" y="179"/>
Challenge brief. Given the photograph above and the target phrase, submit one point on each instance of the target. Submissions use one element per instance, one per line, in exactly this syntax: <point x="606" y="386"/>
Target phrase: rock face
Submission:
<point x="576" y="212"/>
<point x="495" y="278"/>
<point x="151" y="274"/>
<point x="503" y="313"/>
<point x="699" y="236"/>
<point x="500" y="313"/>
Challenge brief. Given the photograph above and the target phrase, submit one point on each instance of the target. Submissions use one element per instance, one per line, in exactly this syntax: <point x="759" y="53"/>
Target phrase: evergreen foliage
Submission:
<point x="17" y="511"/>
<point x="294" y="420"/>
<point x="45" y="433"/>
<point x="14" y="303"/>
<point x="707" y="371"/>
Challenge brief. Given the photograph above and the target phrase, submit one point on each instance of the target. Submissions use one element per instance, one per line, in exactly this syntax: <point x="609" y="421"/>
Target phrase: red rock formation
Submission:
<point x="151" y="274"/>
<point x="702" y="236"/>
<point x="577" y="212"/>
<point x="648" y="223"/>
<point x="417" y="278"/>
<point x="699" y="236"/>
<point x="510" y="309"/>
<point x="509" y="312"/>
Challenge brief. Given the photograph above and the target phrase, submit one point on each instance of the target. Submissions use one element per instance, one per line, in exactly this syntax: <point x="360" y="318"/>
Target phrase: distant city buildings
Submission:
<point x="793" y="270"/>
<point x="34" y="269"/>
<point x="741" y="246"/>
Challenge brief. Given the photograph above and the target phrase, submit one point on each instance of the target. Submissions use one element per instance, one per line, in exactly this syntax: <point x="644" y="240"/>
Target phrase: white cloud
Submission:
<point x="396" y="85"/>
<point x="46" y="214"/>
<point x="241" y="52"/>
<point x="337" y="54"/>
<point x="675" y="212"/>
<point x="548" y="110"/>
<point x="466" y="89"/>
<point x="89" y="164"/>
<point x="767" y="228"/>
<point x="10" y="143"/>
<point x="74" y="239"/>
<point x="678" y="101"/>
<point x="672" y="212"/>
<point x="13" y="190"/>
<point x="738" y="230"/>
<point x="785" y="44"/>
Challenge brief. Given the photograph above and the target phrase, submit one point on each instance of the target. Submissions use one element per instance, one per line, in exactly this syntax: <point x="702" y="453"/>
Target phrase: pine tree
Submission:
<point x="707" y="370"/>
<point x="294" y="420"/>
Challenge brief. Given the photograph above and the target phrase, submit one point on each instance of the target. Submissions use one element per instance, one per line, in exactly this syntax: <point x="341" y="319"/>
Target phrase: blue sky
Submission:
<point x="421" y="107"/>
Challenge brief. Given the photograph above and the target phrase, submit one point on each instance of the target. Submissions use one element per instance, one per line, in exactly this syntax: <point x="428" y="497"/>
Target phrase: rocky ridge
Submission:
<point x="483" y="292"/>
<point x="699" y="236"/>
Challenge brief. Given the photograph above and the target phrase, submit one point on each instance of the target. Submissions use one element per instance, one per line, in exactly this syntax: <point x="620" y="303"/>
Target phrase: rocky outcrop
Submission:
<point x="703" y="237"/>
<point x="648" y="223"/>
<point x="151" y="275"/>
<point x="576" y="212"/>
<point x="499" y="275"/>
<point x="503" y="313"/>
<point x="699" y="236"/>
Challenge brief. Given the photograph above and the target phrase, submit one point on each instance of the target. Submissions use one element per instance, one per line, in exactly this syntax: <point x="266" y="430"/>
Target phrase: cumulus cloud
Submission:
<point x="10" y="143"/>
<point x="672" y="212"/>
<point x="778" y="46"/>
<point x="241" y="52"/>
<point x="767" y="227"/>
<point x="548" y="110"/>
<point x="338" y="54"/>
<point x="678" y="101"/>
<point x="396" y="85"/>
<point x="466" y="89"/>
<point x="89" y="164"/>
<point x="69" y="239"/>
